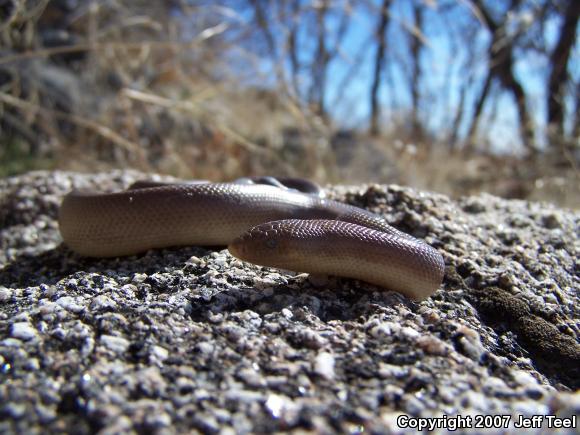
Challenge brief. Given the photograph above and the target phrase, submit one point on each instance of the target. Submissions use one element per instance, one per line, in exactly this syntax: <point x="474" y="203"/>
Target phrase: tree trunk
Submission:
<point x="576" y="122"/>
<point x="416" y="130"/>
<point x="501" y="68"/>
<point x="457" y="118"/>
<point x="379" y="60"/>
<point x="526" y="122"/>
<point x="292" y="42"/>
<point x="319" y="63"/>
<point x="477" y="112"/>
<point x="558" y="76"/>
<point x="263" y="23"/>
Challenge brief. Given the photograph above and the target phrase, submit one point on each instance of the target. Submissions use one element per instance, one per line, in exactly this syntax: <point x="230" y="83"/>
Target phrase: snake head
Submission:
<point x="268" y="244"/>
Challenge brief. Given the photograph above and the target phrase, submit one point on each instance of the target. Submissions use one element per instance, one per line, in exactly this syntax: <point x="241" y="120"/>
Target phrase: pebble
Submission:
<point x="5" y="294"/>
<point x="23" y="331"/>
<point x="324" y="365"/>
<point x="409" y="333"/>
<point x="116" y="344"/>
<point x="552" y="221"/>
<point x="101" y="303"/>
<point x="69" y="304"/>
<point x="159" y="353"/>
<point x="205" y="347"/>
<point x="309" y="338"/>
<point x="383" y="330"/>
<point x="471" y="343"/>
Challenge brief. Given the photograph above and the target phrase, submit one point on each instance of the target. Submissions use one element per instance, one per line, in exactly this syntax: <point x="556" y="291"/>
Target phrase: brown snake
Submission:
<point x="263" y="224"/>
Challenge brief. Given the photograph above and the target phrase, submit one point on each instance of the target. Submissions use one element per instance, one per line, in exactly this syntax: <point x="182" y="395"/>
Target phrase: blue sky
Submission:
<point x="439" y="54"/>
<point x="443" y="63"/>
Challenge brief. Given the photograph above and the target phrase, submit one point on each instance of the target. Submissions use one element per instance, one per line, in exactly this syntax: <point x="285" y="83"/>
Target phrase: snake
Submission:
<point x="284" y="223"/>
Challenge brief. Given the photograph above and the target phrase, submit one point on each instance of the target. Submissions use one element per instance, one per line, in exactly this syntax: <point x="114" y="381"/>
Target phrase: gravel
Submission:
<point x="192" y="339"/>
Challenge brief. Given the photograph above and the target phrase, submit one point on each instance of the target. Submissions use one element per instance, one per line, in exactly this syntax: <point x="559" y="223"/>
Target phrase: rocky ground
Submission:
<point x="193" y="339"/>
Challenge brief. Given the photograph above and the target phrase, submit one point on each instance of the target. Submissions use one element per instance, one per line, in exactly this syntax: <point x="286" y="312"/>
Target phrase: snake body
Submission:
<point x="261" y="223"/>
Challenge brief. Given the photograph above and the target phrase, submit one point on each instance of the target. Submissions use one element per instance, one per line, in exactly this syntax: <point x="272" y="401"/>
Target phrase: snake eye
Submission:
<point x="271" y="243"/>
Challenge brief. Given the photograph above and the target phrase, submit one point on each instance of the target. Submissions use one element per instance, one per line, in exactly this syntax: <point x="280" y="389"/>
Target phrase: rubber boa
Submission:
<point x="260" y="223"/>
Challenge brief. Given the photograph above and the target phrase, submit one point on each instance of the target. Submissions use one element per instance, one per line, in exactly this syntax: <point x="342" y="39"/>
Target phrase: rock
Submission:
<point x="191" y="339"/>
<point x="116" y="344"/>
<point x="324" y="365"/>
<point x="23" y="331"/>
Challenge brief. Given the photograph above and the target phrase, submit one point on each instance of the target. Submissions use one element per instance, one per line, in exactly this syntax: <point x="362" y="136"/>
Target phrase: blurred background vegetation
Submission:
<point x="455" y="96"/>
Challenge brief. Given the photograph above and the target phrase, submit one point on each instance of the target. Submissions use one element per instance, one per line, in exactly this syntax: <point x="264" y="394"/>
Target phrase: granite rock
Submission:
<point x="188" y="339"/>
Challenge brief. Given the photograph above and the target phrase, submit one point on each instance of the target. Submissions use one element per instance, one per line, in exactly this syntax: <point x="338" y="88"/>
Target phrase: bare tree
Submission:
<point x="501" y="67"/>
<point x="263" y="22"/>
<point x="559" y="60"/>
<point x="355" y="65"/>
<point x="576" y="120"/>
<point x="464" y="87"/>
<point x="478" y="109"/>
<point x="292" y="44"/>
<point x="327" y="49"/>
<point x="319" y="62"/>
<point x="466" y="35"/>
<point x="378" y="66"/>
<point x="416" y="44"/>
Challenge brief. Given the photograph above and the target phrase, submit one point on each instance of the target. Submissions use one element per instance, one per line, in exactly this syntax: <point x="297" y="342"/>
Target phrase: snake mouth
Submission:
<point x="257" y="244"/>
<point x="236" y="248"/>
<point x="240" y="247"/>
